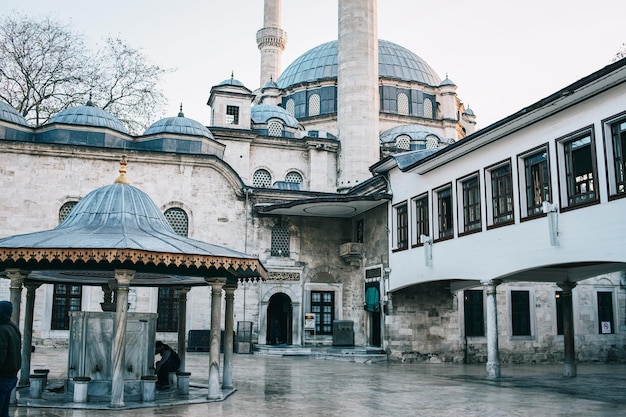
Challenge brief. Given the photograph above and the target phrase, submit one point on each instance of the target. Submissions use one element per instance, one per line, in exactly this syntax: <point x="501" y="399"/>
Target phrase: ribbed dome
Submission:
<point x="414" y="131"/>
<point x="262" y="113"/>
<point x="9" y="114"/>
<point x="88" y="115"/>
<point x="394" y="61"/>
<point x="179" y="125"/>
<point x="232" y="81"/>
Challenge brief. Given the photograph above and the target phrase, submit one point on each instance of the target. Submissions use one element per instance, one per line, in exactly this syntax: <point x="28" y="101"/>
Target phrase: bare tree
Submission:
<point x="45" y="68"/>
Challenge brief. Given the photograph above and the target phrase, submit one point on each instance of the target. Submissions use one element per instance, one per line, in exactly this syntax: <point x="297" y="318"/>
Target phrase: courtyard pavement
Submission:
<point x="309" y="386"/>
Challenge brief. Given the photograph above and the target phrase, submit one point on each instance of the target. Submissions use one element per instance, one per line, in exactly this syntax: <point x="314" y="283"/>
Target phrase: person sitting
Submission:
<point x="169" y="362"/>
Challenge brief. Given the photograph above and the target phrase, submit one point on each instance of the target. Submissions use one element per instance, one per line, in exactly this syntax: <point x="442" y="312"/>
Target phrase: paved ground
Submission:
<point x="301" y="386"/>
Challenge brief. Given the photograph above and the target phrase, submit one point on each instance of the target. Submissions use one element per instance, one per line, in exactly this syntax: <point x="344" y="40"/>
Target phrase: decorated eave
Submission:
<point x="119" y="227"/>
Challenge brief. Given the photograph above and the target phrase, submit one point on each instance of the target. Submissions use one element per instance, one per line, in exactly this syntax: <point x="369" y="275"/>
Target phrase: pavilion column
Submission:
<point x="229" y="326"/>
<point x="568" y="329"/>
<point x="493" y="360"/>
<point x="182" y="324"/>
<point x="27" y="336"/>
<point x="122" y="284"/>
<point x="215" y="391"/>
<point x="17" y="277"/>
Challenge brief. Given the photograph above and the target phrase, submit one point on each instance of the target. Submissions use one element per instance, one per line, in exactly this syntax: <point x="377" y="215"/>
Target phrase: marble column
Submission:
<point x="493" y="360"/>
<point x="182" y="324"/>
<point x="27" y="336"/>
<point x="215" y="390"/>
<point x="568" y="329"/>
<point x="122" y="284"/>
<point x="229" y="326"/>
<point x="17" y="277"/>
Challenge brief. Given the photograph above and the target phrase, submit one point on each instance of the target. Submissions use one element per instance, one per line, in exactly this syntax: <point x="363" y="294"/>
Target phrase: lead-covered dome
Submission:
<point x="394" y="61"/>
<point x="9" y="114"/>
<point x="179" y="125"/>
<point x="262" y="113"/>
<point x="88" y="115"/>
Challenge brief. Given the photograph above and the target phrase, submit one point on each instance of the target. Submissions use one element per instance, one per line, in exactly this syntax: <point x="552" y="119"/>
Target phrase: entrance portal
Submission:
<point x="279" y="318"/>
<point x="372" y="306"/>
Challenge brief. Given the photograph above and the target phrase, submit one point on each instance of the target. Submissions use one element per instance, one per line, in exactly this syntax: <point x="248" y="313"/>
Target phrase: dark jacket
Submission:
<point x="10" y="349"/>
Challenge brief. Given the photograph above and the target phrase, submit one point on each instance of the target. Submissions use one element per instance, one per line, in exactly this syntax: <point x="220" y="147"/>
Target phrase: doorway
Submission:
<point x="373" y="319"/>
<point x="279" y="319"/>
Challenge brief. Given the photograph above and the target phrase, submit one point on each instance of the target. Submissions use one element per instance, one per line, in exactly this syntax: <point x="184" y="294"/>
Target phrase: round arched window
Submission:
<point x="290" y="106"/>
<point x="314" y="105"/>
<point x="274" y="128"/>
<point x="66" y="209"/>
<point x="403" y="142"/>
<point x="294" y="177"/>
<point x="403" y="103"/>
<point x="428" y="108"/>
<point x="177" y="218"/>
<point x="261" y="178"/>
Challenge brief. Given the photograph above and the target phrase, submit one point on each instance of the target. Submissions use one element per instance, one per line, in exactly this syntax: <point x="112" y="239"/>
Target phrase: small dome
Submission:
<point x="10" y="114"/>
<point x="469" y="112"/>
<point x="270" y="84"/>
<point x="394" y="61"/>
<point x="447" y="82"/>
<point x="179" y="125"/>
<point x="415" y="132"/>
<point x="88" y="115"/>
<point x="262" y="113"/>
<point x="233" y="82"/>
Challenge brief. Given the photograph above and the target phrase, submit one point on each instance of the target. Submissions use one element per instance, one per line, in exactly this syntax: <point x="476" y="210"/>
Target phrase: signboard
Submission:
<point x="606" y="327"/>
<point x="309" y="321"/>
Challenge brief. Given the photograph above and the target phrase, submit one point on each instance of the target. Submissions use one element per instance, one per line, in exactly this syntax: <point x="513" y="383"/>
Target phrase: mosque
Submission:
<point x="293" y="173"/>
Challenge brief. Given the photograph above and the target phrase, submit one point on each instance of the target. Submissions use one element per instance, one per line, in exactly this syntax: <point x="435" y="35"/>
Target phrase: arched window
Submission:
<point x="261" y="178"/>
<point x="65" y="297"/>
<point x="294" y="177"/>
<point x="403" y="142"/>
<point x="290" y="106"/>
<point x="66" y="209"/>
<point x="314" y="105"/>
<point x="403" y="103"/>
<point x="432" y="142"/>
<point x="280" y="241"/>
<point x="428" y="108"/>
<point x="177" y="218"/>
<point x="274" y="128"/>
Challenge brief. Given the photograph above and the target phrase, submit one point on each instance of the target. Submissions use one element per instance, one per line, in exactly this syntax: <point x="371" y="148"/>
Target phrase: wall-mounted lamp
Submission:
<point x="552" y="212"/>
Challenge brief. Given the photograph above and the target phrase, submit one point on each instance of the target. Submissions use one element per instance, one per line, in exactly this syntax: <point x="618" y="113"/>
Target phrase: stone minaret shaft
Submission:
<point x="358" y="100"/>
<point x="271" y="40"/>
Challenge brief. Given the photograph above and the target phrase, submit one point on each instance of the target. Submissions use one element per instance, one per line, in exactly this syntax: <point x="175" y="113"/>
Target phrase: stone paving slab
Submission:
<point x="301" y="386"/>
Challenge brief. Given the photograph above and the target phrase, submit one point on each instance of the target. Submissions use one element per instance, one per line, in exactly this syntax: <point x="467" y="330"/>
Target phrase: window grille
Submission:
<point x="280" y="241"/>
<point x="167" y="320"/>
<point x="432" y="142"/>
<point x="232" y="115"/>
<point x="261" y="178"/>
<point x="403" y="104"/>
<point x="314" y="105"/>
<point x="177" y="218"/>
<point x="65" y="298"/>
<point x="66" y="209"/>
<point x="403" y="142"/>
<point x="323" y="305"/>
<point x="290" y="106"/>
<point x="294" y="177"/>
<point x="274" y="128"/>
<point x="428" y="108"/>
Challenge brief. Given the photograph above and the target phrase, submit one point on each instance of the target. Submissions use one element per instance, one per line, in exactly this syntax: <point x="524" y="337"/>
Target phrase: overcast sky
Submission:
<point x="502" y="55"/>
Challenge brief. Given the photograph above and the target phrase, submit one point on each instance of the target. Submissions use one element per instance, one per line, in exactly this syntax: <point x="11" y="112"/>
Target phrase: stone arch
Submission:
<point x="185" y="208"/>
<point x="328" y="274"/>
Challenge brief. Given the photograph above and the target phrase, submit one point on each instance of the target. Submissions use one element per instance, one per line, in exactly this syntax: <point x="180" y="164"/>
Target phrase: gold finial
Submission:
<point x="122" y="178"/>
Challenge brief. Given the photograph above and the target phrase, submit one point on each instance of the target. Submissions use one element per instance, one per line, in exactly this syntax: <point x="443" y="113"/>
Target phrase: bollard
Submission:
<point x="36" y="385"/>
<point x="183" y="382"/>
<point x="44" y="372"/>
<point x="81" y="387"/>
<point x="171" y="379"/>
<point x="148" y="388"/>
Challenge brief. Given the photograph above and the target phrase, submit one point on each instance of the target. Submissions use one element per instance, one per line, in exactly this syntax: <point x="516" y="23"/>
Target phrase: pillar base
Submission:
<point x="183" y="382"/>
<point x="81" y="387"/>
<point x="148" y="388"/>
<point x="493" y="370"/>
<point x="36" y="385"/>
<point x="569" y="370"/>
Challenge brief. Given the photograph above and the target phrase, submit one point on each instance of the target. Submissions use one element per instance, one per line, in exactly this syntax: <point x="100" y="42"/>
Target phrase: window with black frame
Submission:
<point x="605" y="312"/>
<point x="520" y="313"/>
<point x="323" y="305"/>
<point x="474" y="312"/>
<point x="65" y="298"/>
<point x="232" y="115"/>
<point x="501" y="194"/>
<point x="579" y="170"/>
<point x="618" y="131"/>
<point x="471" y="204"/>
<point x="421" y="217"/>
<point x="402" y="226"/>
<point x="444" y="213"/>
<point x="537" y="178"/>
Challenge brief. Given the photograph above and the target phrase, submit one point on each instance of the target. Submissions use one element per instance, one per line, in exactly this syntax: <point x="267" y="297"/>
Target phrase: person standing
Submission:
<point x="10" y="356"/>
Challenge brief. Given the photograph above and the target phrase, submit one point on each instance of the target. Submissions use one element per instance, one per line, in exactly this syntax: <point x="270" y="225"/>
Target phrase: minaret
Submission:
<point x="358" y="100"/>
<point x="271" y="40"/>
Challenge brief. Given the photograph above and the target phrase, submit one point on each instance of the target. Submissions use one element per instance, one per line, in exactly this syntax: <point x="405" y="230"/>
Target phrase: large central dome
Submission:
<point x="394" y="61"/>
